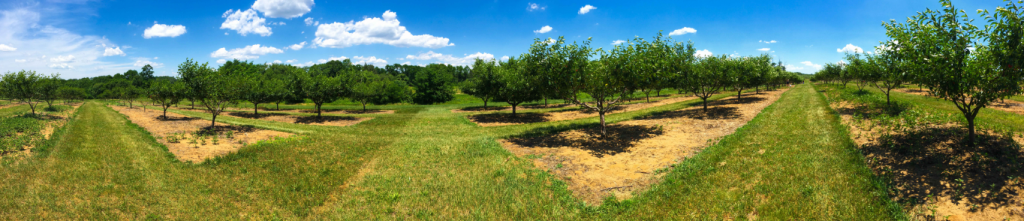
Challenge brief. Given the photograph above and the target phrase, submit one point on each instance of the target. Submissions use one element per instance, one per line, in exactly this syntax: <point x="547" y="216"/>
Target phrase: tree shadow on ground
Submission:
<point x="322" y="119"/>
<point x="41" y="116"/>
<point x="618" y="139"/>
<point x="542" y="106"/>
<point x="940" y="161"/>
<point x="219" y="129"/>
<point x="743" y="100"/>
<point x="592" y="111"/>
<point x="253" y="116"/>
<point x="713" y="113"/>
<point x="482" y="108"/>
<point x="170" y="118"/>
<point x="519" y="118"/>
<point x="875" y="109"/>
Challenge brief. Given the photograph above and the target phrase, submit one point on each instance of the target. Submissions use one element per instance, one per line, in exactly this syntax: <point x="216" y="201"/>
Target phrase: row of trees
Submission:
<point x="569" y="71"/>
<point x="944" y="51"/>
<point x="30" y="87"/>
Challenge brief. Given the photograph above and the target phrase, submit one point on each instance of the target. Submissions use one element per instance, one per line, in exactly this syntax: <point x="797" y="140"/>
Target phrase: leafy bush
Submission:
<point x="17" y="132"/>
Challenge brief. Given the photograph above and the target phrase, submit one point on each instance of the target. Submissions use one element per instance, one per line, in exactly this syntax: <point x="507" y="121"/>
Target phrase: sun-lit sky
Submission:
<point x="85" y="38"/>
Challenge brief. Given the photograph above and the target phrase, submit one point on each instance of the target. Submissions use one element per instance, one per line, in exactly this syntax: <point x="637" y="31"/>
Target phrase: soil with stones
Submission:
<point x="629" y="157"/>
<point x="936" y="174"/>
<point x="503" y="119"/>
<point x="338" y="121"/>
<point x="190" y="139"/>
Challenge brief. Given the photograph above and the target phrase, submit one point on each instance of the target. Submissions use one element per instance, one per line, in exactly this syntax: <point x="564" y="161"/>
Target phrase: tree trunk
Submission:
<point x="545" y="101"/>
<point x="604" y="130"/>
<point x="648" y="96"/>
<point x="887" y="98"/>
<point x="193" y="105"/>
<point x="165" y="113"/>
<point x="514" y="110"/>
<point x="485" y="103"/>
<point x="705" y="104"/>
<point x="256" y="110"/>
<point x="739" y="93"/>
<point x="318" y="115"/>
<point x="364" y="107"/>
<point x="970" y="128"/>
<point x="278" y="105"/>
<point x="213" y="123"/>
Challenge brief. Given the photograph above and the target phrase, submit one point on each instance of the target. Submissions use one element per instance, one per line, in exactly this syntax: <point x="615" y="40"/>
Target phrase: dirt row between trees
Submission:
<point x="190" y="139"/>
<point x="337" y="121"/>
<point x="636" y="153"/>
<point x="936" y="174"/>
<point x="504" y="119"/>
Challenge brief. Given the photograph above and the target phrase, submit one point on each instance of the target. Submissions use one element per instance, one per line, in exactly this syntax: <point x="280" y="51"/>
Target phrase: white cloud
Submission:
<point x="283" y="8"/>
<point x="248" y="52"/>
<point x="407" y="63"/>
<point x="140" y="62"/>
<point x="385" y="30"/>
<point x="113" y="52"/>
<point x="764" y="49"/>
<point x="702" y="53"/>
<point x="615" y="42"/>
<point x="245" y="22"/>
<point x="342" y="58"/>
<point x="291" y="61"/>
<point x="221" y="61"/>
<point x="369" y="60"/>
<point x="585" y="9"/>
<point x="61" y="66"/>
<point x="297" y="46"/>
<point x="277" y="61"/>
<point x="811" y="64"/>
<point x="20" y="60"/>
<point x="309" y="21"/>
<point x="162" y="30"/>
<point x="850" y="48"/>
<point x="767" y="42"/>
<point x="449" y="59"/>
<point x="683" y="31"/>
<point x="534" y="6"/>
<point x="543" y="30"/>
<point x="550" y="41"/>
<point x="4" y="47"/>
<point x="63" y="59"/>
<point x="504" y="58"/>
<point x="790" y="67"/>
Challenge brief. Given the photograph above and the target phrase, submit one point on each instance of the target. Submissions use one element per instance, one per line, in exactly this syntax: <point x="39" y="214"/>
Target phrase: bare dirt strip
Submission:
<point x="504" y="119"/>
<point x="935" y="174"/>
<point x="326" y="111"/>
<point x="181" y="134"/>
<point x="628" y="158"/>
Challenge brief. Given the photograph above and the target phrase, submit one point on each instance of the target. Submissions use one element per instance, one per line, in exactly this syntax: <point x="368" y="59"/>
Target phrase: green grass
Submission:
<point x="425" y="162"/>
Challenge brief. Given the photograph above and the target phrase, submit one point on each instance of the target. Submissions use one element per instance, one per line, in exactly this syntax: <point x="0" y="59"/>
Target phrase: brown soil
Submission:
<point x="936" y="174"/>
<point x="368" y="111"/>
<point x="339" y="121"/>
<point x="184" y="128"/>
<point x="1008" y="105"/>
<point x="481" y="109"/>
<point x="632" y="152"/>
<point x="503" y="119"/>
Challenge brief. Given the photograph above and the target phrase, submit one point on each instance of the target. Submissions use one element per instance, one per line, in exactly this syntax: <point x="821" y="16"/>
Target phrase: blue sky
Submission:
<point x="84" y="38"/>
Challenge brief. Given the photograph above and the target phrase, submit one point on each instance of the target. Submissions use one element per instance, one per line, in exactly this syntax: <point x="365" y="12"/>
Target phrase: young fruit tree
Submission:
<point x="434" y="84"/>
<point x="604" y="79"/>
<point x="708" y="78"/>
<point x="167" y="93"/>
<point x="368" y="87"/>
<point x="23" y="85"/>
<point x="48" y="86"/>
<point x="888" y="66"/>
<point x="517" y="86"/>
<point x="214" y="89"/>
<point x="950" y="56"/>
<point x="260" y="89"/>
<point x="484" y="83"/>
<point x="320" y="88"/>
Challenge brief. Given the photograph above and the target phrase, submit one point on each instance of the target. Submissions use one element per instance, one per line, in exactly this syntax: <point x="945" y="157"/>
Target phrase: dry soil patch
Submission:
<point x="179" y="134"/>
<point x="626" y="160"/>
<point x="503" y="119"/>
<point x="936" y="174"/>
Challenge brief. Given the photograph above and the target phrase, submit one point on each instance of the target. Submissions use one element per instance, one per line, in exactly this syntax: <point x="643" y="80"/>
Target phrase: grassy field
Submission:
<point x="426" y="162"/>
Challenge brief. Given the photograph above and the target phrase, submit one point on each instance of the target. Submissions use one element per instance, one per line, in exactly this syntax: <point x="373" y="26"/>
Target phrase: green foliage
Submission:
<point x="517" y="86"/>
<point x="23" y="85"/>
<point x="318" y="86"/>
<point x="215" y="89"/>
<point x="167" y="93"/>
<point x="434" y="84"/>
<point x="485" y="83"/>
<point x="377" y="89"/>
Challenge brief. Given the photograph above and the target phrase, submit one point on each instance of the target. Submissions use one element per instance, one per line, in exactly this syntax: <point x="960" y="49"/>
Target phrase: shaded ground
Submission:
<point x="368" y="111"/>
<point x="503" y="119"/>
<point x="630" y="157"/>
<point x="933" y="171"/>
<point x="339" y="121"/>
<point x="191" y="139"/>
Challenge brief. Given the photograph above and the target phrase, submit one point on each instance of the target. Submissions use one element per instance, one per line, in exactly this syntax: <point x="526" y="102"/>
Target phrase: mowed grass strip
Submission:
<point x="103" y="167"/>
